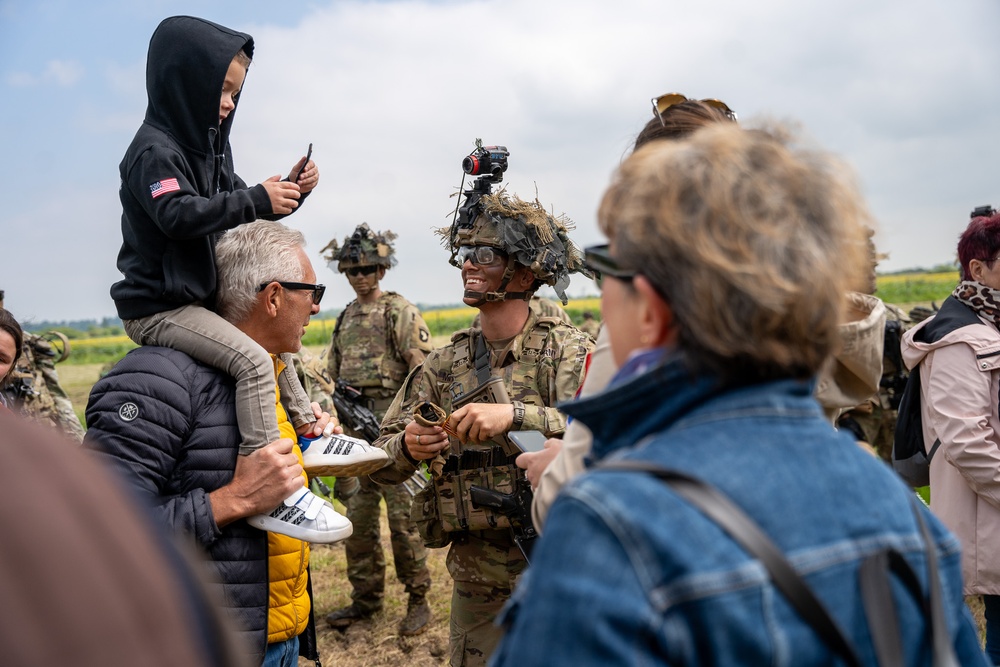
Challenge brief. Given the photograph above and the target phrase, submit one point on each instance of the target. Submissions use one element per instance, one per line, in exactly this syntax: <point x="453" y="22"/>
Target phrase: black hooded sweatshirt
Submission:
<point x="169" y="228"/>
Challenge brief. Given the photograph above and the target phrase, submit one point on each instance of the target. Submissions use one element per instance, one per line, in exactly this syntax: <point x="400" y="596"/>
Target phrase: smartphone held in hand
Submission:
<point x="528" y="441"/>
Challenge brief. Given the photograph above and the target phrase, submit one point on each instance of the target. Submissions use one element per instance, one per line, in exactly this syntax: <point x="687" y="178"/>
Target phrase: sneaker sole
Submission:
<point x="355" y="469"/>
<point x="272" y="525"/>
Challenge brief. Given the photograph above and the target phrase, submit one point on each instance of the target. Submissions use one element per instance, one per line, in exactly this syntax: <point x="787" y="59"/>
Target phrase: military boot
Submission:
<point x="347" y="616"/>
<point x="418" y="615"/>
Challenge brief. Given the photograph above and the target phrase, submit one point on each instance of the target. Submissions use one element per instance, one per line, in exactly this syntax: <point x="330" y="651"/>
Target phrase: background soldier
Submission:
<point x="506" y="249"/>
<point x="378" y="338"/>
<point x="590" y="325"/>
<point x="33" y="387"/>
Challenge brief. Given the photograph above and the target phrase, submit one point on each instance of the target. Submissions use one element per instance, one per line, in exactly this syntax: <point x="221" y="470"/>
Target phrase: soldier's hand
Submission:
<point x="535" y="463"/>
<point x="424" y="442"/>
<point x="283" y="195"/>
<point x="261" y="481"/>
<point x="477" y="422"/>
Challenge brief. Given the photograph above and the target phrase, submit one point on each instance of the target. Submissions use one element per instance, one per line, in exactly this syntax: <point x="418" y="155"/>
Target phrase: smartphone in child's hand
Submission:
<point x="308" y="157"/>
<point x="528" y="441"/>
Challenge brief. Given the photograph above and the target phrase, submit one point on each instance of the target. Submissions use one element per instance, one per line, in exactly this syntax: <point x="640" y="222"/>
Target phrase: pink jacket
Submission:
<point x="959" y="358"/>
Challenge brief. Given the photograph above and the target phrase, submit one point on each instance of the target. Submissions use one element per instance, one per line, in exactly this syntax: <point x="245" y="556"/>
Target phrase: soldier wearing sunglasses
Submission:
<point x="378" y="339"/>
<point x="505" y="375"/>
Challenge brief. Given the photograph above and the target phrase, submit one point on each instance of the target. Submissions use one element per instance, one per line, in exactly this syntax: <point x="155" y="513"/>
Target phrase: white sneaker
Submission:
<point x="339" y="455"/>
<point x="307" y="517"/>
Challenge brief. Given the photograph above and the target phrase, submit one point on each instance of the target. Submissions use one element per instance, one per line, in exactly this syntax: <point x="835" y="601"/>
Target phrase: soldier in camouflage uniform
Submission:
<point x="379" y="337"/>
<point x="33" y="388"/>
<point x="590" y="325"/>
<point x="506" y="249"/>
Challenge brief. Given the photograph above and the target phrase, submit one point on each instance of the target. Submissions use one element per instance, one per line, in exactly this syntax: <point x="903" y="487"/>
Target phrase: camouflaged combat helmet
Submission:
<point x="362" y="248"/>
<point x="525" y="232"/>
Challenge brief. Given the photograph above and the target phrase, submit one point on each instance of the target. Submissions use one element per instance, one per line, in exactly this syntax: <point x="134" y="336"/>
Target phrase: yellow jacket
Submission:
<point x="288" y="603"/>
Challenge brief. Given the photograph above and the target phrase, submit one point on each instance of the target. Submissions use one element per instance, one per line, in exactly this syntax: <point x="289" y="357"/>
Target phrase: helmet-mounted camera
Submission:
<point x="487" y="162"/>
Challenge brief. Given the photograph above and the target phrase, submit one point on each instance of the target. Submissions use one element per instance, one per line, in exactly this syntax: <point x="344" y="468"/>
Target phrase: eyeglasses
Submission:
<point x="664" y="102"/>
<point x="317" y="290"/>
<point x="361" y="270"/>
<point x="599" y="260"/>
<point x="480" y="255"/>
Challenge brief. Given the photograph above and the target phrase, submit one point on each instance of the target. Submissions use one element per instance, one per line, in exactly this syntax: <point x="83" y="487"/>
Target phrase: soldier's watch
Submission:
<point x="518" y="415"/>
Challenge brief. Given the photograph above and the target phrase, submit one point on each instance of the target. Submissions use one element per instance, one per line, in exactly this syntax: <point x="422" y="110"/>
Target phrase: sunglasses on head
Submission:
<point x="599" y="260"/>
<point x="664" y="102"/>
<point x="317" y="290"/>
<point x="361" y="270"/>
<point x="479" y="255"/>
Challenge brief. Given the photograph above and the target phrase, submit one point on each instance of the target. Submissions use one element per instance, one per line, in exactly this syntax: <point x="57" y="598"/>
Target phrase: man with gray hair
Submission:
<point x="167" y="423"/>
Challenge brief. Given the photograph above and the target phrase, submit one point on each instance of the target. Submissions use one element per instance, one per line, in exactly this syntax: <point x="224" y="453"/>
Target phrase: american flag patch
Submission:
<point x="163" y="187"/>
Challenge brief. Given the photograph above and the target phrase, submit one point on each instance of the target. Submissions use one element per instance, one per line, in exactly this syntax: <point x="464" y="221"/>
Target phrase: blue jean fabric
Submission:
<point x="282" y="654"/>
<point x="627" y="573"/>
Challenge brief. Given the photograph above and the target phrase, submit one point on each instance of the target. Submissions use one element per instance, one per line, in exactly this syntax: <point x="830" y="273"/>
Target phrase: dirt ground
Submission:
<point x="376" y="642"/>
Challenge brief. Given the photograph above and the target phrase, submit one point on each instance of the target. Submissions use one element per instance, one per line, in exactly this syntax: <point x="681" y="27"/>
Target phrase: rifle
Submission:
<point x="516" y="507"/>
<point x="357" y="417"/>
<point x="353" y="413"/>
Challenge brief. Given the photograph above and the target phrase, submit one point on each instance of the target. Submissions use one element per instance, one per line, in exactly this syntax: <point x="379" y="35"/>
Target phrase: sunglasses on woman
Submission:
<point x="664" y="102"/>
<point x="599" y="260"/>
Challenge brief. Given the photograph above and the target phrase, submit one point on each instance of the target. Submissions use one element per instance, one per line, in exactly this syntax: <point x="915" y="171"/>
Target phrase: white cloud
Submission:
<point x="392" y="94"/>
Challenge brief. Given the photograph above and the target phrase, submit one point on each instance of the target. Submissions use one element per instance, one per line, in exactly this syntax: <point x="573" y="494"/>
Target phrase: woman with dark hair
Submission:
<point x="956" y="352"/>
<point x="11" y="339"/>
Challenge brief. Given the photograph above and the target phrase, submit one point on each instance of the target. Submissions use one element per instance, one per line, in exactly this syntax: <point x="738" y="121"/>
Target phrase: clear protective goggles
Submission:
<point x="480" y="255"/>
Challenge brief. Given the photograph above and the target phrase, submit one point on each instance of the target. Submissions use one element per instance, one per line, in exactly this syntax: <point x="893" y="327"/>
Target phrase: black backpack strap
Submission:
<point x="748" y="535"/>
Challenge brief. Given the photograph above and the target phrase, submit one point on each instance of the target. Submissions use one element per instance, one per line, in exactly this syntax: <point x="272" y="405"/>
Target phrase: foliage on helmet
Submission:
<point x="525" y="231"/>
<point x="362" y="248"/>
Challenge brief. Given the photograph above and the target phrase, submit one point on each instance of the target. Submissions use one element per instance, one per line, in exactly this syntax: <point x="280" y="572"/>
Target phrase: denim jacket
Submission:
<point x="628" y="573"/>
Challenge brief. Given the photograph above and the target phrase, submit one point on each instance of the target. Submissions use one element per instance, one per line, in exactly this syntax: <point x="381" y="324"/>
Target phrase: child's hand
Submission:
<point x="284" y="195"/>
<point x="308" y="177"/>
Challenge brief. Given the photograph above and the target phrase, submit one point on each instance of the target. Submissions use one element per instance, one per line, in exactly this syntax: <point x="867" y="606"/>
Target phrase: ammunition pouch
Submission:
<point x="454" y="502"/>
<point x="424" y="515"/>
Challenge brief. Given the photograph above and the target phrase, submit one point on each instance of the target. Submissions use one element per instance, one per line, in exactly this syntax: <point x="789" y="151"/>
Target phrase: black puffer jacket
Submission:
<point x="167" y="424"/>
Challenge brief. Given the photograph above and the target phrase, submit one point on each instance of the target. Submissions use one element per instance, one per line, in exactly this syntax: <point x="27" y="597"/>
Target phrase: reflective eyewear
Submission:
<point x="599" y="260"/>
<point x="361" y="270"/>
<point x="664" y="102"/>
<point x="317" y="290"/>
<point x="480" y="255"/>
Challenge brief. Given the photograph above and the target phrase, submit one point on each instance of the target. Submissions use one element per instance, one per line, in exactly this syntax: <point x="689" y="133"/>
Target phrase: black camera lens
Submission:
<point x="472" y="165"/>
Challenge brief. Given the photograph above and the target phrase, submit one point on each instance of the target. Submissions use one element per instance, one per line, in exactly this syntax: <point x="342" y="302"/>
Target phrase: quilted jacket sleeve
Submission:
<point x="140" y="420"/>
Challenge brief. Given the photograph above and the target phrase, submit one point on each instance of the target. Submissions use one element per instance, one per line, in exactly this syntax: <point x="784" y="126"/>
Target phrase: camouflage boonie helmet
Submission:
<point x="525" y="232"/>
<point x="362" y="248"/>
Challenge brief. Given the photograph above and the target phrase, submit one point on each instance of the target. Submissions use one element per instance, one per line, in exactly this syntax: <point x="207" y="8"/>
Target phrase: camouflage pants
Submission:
<point x="365" y="557"/>
<point x="485" y="566"/>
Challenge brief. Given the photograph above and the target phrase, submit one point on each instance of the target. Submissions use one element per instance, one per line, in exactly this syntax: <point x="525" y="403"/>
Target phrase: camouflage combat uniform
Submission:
<point x="373" y="348"/>
<point x="591" y="327"/>
<point x="33" y="387"/>
<point x="874" y="421"/>
<point x="540" y="367"/>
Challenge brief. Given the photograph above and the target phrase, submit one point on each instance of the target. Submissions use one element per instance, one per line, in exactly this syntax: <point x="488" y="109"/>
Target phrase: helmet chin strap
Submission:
<point x="500" y="294"/>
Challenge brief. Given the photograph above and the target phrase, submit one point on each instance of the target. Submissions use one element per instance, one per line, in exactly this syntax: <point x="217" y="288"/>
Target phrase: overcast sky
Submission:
<point x="393" y="94"/>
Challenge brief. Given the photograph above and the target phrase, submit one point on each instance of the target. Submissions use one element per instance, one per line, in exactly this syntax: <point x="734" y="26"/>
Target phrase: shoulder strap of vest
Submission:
<point x="536" y="337"/>
<point x="340" y="318"/>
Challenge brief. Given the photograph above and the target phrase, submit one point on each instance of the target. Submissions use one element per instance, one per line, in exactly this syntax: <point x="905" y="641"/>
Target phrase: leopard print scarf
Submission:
<point x="980" y="298"/>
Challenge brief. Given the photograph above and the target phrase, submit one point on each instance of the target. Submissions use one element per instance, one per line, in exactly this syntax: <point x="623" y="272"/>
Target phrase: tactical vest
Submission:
<point x="488" y="464"/>
<point x="365" y="336"/>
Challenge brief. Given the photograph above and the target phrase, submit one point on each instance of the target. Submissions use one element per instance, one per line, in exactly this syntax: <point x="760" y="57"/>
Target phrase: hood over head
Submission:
<point x="185" y="68"/>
